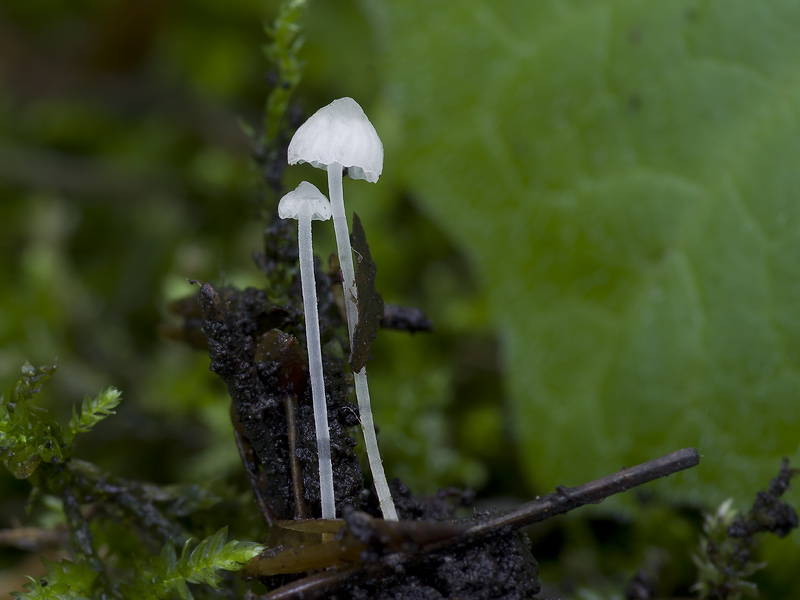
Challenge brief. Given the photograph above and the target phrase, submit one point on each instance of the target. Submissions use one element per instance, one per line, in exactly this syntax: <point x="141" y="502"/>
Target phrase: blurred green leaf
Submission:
<point x="413" y="391"/>
<point x="624" y="175"/>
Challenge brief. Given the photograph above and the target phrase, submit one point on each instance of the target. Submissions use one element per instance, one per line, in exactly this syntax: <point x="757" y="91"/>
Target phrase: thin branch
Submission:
<point x="251" y="467"/>
<point x="594" y="492"/>
<point x="79" y="533"/>
<point x="33" y="538"/>
<point x="300" y="510"/>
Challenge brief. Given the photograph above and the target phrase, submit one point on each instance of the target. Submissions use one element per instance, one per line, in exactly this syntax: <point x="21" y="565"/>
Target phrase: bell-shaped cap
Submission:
<point x="339" y="133"/>
<point x="305" y="201"/>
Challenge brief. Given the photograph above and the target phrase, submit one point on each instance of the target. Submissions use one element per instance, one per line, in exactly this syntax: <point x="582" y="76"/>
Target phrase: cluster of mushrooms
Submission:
<point x="340" y="139"/>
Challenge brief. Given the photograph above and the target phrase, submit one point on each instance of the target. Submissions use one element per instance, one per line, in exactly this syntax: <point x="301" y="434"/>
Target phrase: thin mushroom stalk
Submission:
<point x="340" y="136"/>
<point x="304" y="204"/>
<point x="351" y="311"/>
<point x="342" y="231"/>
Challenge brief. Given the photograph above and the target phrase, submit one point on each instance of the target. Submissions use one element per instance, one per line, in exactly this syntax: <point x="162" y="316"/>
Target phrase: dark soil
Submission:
<point x="255" y="347"/>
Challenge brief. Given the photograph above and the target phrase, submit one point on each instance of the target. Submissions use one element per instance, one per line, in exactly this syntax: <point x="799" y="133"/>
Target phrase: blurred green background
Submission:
<point x="596" y="203"/>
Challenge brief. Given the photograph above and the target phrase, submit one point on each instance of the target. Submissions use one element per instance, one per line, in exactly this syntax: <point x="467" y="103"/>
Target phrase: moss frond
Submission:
<point x="28" y="435"/>
<point x="282" y="52"/>
<point x="166" y="576"/>
<point x="92" y="412"/>
<point x="64" y="581"/>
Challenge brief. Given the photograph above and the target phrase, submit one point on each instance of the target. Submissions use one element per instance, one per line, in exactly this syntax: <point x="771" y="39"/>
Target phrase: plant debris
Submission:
<point x="725" y="558"/>
<point x="405" y="318"/>
<point x="483" y="557"/>
<point x="370" y="302"/>
<point x="769" y="513"/>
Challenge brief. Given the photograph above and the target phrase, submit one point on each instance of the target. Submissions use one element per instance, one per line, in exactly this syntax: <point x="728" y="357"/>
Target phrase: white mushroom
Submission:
<point x="337" y="137"/>
<point x="305" y="203"/>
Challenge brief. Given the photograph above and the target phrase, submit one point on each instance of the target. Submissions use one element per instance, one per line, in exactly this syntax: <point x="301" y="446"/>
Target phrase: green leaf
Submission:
<point x="92" y="412"/>
<point x="64" y="581"/>
<point x="625" y="177"/>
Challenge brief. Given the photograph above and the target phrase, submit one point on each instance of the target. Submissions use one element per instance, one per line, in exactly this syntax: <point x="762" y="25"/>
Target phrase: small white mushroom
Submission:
<point x="339" y="133"/>
<point x="305" y="203"/>
<point x="337" y="137"/>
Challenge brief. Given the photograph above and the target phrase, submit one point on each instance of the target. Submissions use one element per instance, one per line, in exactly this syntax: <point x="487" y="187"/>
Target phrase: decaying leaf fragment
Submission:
<point x="370" y="302"/>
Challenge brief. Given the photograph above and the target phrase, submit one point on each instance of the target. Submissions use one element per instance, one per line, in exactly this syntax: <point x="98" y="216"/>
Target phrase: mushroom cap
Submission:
<point x="305" y="201"/>
<point x="339" y="133"/>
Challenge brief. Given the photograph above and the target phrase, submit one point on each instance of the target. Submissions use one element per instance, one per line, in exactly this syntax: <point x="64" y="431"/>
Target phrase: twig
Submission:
<point x="33" y="538"/>
<point x="594" y="492"/>
<point x="300" y="510"/>
<point x="312" y="587"/>
<point x="79" y="533"/>
<point x="99" y="487"/>
<point x="251" y="467"/>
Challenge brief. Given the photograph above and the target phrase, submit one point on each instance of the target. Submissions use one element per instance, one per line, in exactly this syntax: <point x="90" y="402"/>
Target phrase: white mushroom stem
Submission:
<point x="371" y="442"/>
<point x="336" y="196"/>
<point x="315" y="365"/>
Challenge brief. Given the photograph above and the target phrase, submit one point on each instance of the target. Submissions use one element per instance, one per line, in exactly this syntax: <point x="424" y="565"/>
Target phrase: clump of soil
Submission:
<point x="254" y="347"/>
<point x="500" y="567"/>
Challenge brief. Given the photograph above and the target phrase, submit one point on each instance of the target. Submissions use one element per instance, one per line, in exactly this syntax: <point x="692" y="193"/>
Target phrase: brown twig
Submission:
<point x="251" y="467"/>
<point x="300" y="510"/>
<point x="79" y="533"/>
<point x="594" y="492"/>
<point x="33" y="538"/>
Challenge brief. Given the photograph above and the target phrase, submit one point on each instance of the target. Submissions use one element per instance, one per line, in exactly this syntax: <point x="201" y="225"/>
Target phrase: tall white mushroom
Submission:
<point x="305" y="203"/>
<point x="337" y="137"/>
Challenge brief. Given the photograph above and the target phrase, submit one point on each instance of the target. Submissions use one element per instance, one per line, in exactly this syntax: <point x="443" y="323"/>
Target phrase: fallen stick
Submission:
<point x="566" y="499"/>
